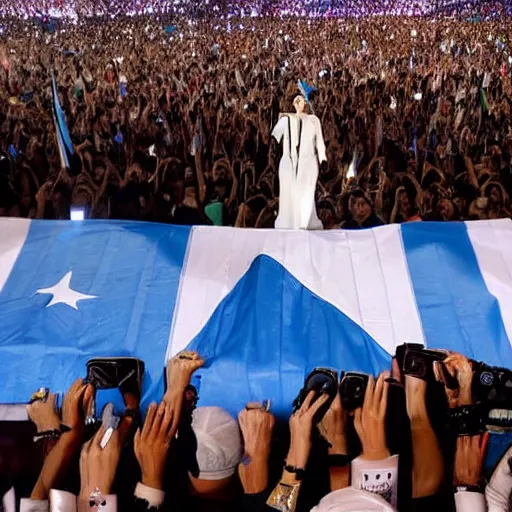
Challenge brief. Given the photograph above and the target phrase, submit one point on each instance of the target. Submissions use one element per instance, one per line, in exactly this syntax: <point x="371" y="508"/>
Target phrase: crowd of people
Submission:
<point x="414" y="438"/>
<point x="170" y="108"/>
<point x="171" y="115"/>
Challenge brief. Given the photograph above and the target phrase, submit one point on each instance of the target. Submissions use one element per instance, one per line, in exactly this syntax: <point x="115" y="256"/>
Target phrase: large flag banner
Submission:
<point x="263" y="307"/>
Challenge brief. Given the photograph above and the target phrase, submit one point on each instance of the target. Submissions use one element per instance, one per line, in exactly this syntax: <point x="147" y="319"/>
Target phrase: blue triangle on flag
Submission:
<point x="268" y="333"/>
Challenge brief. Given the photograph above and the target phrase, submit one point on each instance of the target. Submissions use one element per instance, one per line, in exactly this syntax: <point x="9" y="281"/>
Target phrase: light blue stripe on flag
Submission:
<point x="133" y="271"/>
<point x="457" y="310"/>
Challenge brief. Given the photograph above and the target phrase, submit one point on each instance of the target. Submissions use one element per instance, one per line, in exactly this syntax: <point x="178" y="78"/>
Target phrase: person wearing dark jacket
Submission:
<point x="361" y="213"/>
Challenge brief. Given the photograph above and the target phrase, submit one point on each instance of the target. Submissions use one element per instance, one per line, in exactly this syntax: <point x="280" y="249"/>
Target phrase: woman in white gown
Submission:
<point x="303" y="149"/>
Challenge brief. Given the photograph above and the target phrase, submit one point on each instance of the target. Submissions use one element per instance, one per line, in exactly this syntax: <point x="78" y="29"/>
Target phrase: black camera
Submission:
<point x="492" y="385"/>
<point x="352" y="389"/>
<point x="125" y="373"/>
<point x="322" y="381"/>
<point x="423" y="363"/>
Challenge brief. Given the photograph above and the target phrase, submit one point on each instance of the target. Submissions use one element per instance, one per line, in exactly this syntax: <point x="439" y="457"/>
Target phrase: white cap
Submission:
<point x="219" y="443"/>
<point x="352" y="500"/>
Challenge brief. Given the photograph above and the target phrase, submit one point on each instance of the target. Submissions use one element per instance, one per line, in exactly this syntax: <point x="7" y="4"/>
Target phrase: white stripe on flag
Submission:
<point x="492" y="242"/>
<point x="363" y="274"/>
<point x="388" y="307"/>
<point x="13" y="233"/>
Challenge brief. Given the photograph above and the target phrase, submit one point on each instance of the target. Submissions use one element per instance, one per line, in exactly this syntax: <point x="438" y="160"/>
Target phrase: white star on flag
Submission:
<point x="63" y="294"/>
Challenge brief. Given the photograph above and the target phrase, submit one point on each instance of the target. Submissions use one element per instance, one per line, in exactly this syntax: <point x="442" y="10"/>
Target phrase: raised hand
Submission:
<point x="370" y="419"/>
<point x="43" y="414"/>
<point x="98" y="465"/>
<point x="301" y="427"/>
<point x="460" y="367"/>
<point x="152" y="444"/>
<point x="75" y="404"/>
<point x="181" y="367"/>
<point x="256" y="426"/>
<point x="332" y="427"/>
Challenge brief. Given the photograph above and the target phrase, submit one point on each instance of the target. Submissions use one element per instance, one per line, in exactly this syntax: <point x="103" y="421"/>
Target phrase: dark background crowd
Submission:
<point x="170" y="109"/>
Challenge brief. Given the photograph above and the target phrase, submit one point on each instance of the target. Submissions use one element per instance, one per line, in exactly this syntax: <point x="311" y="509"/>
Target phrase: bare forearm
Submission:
<point x="428" y="462"/>
<point x="339" y="476"/>
<point x="174" y="397"/>
<point x="254" y="476"/>
<point x="55" y="465"/>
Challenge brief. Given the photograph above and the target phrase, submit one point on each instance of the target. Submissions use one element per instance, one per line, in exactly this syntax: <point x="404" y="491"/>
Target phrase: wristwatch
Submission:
<point x="338" y="460"/>
<point x="298" y="472"/>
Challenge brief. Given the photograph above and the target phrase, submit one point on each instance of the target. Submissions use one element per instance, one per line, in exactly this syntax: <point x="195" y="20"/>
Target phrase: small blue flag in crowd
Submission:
<point x="306" y="90"/>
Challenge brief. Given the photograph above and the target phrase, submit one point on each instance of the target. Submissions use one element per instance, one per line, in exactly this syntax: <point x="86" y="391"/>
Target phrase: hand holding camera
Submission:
<point x="301" y="427"/>
<point x="370" y="419"/>
<point x="323" y="381"/>
<point x="332" y="427"/>
<point x="460" y="368"/>
<point x="76" y="403"/>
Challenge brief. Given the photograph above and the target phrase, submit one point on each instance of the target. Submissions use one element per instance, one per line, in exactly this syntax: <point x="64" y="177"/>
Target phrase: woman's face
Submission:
<point x="299" y="104"/>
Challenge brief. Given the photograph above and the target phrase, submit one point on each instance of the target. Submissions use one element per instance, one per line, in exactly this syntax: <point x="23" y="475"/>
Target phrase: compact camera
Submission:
<point x="352" y="389"/>
<point x="322" y="381"/>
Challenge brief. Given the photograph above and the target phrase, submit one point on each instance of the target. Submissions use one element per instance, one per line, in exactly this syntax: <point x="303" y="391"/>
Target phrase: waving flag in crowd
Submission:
<point x="306" y="90"/>
<point x="61" y="129"/>
<point x="263" y="307"/>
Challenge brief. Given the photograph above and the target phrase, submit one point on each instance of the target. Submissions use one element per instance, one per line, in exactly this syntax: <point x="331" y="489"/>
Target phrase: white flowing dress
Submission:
<point x="298" y="170"/>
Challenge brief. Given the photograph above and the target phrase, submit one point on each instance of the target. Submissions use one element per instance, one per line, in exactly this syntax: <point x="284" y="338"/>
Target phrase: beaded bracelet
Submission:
<point x="51" y="434"/>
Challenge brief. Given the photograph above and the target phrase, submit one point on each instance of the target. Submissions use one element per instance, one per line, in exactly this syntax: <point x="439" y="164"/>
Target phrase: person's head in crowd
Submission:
<point x="352" y="500"/>
<point x="327" y="213"/>
<point x="495" y="194"/>
<point x="404" y="209"/>
<point x="447" y="209"/>
<point x="219" y="451"/>
<point x="360" y="212"/>
<point x="359" y="206"/>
